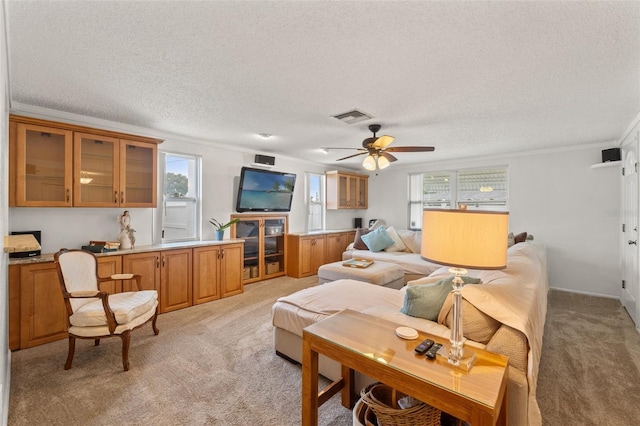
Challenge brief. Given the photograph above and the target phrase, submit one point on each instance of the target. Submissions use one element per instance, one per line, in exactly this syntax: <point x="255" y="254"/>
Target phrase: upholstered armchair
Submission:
<point x="94" y="314"/>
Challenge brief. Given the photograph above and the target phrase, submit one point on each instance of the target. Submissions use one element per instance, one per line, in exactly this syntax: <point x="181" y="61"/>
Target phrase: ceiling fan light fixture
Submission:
<point x="378" y="150"/>
<point x="369" y="163"/>
<point x="383" y="163"/>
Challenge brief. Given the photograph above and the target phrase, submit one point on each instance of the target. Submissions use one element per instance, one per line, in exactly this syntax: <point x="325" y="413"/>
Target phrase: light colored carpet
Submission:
<point x="211" y="364"/>
<point x="590" y="367"/>
<point x="214" y="364"/>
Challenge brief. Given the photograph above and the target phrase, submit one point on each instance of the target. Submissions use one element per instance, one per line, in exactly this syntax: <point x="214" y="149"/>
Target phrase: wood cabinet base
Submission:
<point x="183" y="277"/>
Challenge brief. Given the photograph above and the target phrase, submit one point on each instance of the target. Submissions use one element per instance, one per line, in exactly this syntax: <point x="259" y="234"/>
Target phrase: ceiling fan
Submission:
<point x="378" y="150"/>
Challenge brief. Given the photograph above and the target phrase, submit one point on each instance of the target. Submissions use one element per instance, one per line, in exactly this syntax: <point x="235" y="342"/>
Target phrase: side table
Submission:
<point x="369" y="345"/>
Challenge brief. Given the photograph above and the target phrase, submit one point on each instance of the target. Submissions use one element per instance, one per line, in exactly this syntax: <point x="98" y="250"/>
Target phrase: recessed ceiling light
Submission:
<point x="265" y="135"/>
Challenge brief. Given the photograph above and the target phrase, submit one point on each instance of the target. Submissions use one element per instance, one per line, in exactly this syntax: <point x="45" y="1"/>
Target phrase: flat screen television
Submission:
<point x="265" y="191"/>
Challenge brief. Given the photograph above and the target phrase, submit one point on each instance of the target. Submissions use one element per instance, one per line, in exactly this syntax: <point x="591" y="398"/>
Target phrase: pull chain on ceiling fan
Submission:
<point x="378" y="150"/>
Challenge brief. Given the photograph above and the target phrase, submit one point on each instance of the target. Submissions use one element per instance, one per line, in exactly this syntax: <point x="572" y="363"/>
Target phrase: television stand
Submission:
<point x="264" y="238"/>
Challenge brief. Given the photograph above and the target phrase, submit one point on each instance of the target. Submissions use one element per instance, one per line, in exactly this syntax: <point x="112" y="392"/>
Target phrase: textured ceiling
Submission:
<point x="470" y="78"/>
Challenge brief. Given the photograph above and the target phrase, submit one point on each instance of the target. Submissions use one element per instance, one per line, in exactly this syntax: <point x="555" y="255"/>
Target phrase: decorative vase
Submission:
<point x="219" y="235"/>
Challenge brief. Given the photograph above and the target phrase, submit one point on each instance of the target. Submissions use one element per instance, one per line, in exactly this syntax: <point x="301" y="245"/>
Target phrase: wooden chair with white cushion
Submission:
<point x="94" y="314"/>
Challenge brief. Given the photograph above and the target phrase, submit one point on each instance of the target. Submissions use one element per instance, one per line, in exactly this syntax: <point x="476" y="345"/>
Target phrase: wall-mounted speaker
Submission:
<point x="265" y="159"/>
<point x="612" y="154"/>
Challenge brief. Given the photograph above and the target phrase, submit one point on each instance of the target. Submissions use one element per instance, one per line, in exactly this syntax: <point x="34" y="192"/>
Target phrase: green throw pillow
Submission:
<point x="426" y="300"/>
<point x="378" y="239"/>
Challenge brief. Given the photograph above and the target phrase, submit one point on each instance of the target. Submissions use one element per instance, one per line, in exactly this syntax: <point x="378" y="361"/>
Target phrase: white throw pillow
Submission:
<point x="412" y="239"/>
<point x="398" y="244"/>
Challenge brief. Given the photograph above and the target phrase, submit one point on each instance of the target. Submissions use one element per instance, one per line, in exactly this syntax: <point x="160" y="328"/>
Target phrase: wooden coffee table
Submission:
<point x="369" y="345"/>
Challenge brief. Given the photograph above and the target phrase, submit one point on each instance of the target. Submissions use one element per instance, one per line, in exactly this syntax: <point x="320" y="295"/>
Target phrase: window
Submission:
<point x="475" y="189"/>
<point x="180" y="197"/>
<point x="315" y="200"/>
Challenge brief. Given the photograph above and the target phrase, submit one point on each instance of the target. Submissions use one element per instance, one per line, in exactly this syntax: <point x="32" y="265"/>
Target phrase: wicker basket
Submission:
<point x="363" y="415"/>
<point x="382" y="400"/>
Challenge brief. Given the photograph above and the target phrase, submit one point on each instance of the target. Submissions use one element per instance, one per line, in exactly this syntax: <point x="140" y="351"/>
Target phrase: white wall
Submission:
<point x="220" y="176"/>
<point x="74" y="227"/>
<point x="5" y="354"/>
<point x="556" y="196"/>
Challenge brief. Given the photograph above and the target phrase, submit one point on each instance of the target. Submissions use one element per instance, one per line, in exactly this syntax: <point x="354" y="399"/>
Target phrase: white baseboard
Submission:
<point x="586" y="293"/>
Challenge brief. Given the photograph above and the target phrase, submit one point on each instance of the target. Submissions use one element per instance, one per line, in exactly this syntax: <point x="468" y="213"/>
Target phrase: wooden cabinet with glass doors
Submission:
<point x="138" y="173"/>
<point x="264" y="245"/>
<point x="41" y="157"/>
<point x="346" y="190"/>
<point x="112" y="172"/>
<point x="96" y="160"/>
<point x="61" y="165"/>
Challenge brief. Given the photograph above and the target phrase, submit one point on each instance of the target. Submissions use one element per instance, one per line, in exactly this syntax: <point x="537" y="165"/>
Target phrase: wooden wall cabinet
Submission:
<point x="336" y="244"/>
<point x="169" y="272"/>
<point x="14" y="307"/>
<point x="61" y="165"/>
<point x="37" y="313"/>
<point x="346" y="190"/>
<point x="264" y="245"/>
<point x="146" y="265"/>
<point x="43" y="316"/>
<point x="43" y="166"/>
<point x="96" y="167"/>
<point x="175" y="280"/>
<point x="107" y="266"/>
<point x="305" y="255"/>
<point x="307" y="252"/>
<point x="217" y="272"/>
<point x="138" y="174"/>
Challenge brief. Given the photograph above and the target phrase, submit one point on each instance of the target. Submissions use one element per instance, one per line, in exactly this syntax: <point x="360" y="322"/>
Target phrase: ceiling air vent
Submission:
<point x="354" y="116"/>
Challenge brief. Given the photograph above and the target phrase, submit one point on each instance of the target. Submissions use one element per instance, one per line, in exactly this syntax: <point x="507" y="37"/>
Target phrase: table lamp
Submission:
<point x="464" y="239"/>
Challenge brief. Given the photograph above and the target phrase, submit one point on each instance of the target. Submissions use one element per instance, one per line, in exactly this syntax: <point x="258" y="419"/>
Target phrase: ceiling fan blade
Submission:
<point x="411" y="149"/>
<point x="388" y="156"/>
<point x="383" y="141"/>
<point x="335" y="147"/>
<point x="354" y="155"/>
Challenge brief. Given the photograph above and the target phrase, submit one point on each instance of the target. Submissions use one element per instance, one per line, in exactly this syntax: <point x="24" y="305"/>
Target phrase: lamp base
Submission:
<point x="464" y="363"/>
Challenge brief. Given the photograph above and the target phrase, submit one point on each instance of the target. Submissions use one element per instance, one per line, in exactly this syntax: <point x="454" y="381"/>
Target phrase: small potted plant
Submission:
<point x="220" y="227"/>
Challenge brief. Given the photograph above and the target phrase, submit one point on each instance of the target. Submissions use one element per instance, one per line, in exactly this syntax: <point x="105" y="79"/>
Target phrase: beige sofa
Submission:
<point x="504" y="314"/>
<point x="409" y="258"/>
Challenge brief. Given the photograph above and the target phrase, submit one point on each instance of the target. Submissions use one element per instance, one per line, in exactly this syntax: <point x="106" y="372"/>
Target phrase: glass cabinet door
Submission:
<point x="362" y="193"/>
<point x="353" y="191"/>
<point x="343" y="191"/>
<point x="249" y="230"/>
<point x="96" y="170"/>
<point x="138" y="162"/>
<point x="274" y="234"/>
<point x="44" y="167"/>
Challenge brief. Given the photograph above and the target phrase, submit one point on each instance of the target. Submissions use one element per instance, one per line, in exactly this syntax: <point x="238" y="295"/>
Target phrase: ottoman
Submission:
<point x="378" y="273"/>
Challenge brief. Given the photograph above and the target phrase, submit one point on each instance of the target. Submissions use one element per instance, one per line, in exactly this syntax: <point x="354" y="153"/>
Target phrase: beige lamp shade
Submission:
<point x="465" y="238"/>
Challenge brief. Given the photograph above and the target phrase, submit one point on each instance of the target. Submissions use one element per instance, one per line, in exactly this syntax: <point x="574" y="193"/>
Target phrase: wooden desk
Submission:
<point x="369" y="345"/>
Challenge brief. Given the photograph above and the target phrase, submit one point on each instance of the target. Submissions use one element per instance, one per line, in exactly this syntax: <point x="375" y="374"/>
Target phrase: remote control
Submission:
<point x="431" y="353"/>
<point x="423" y="347"/>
